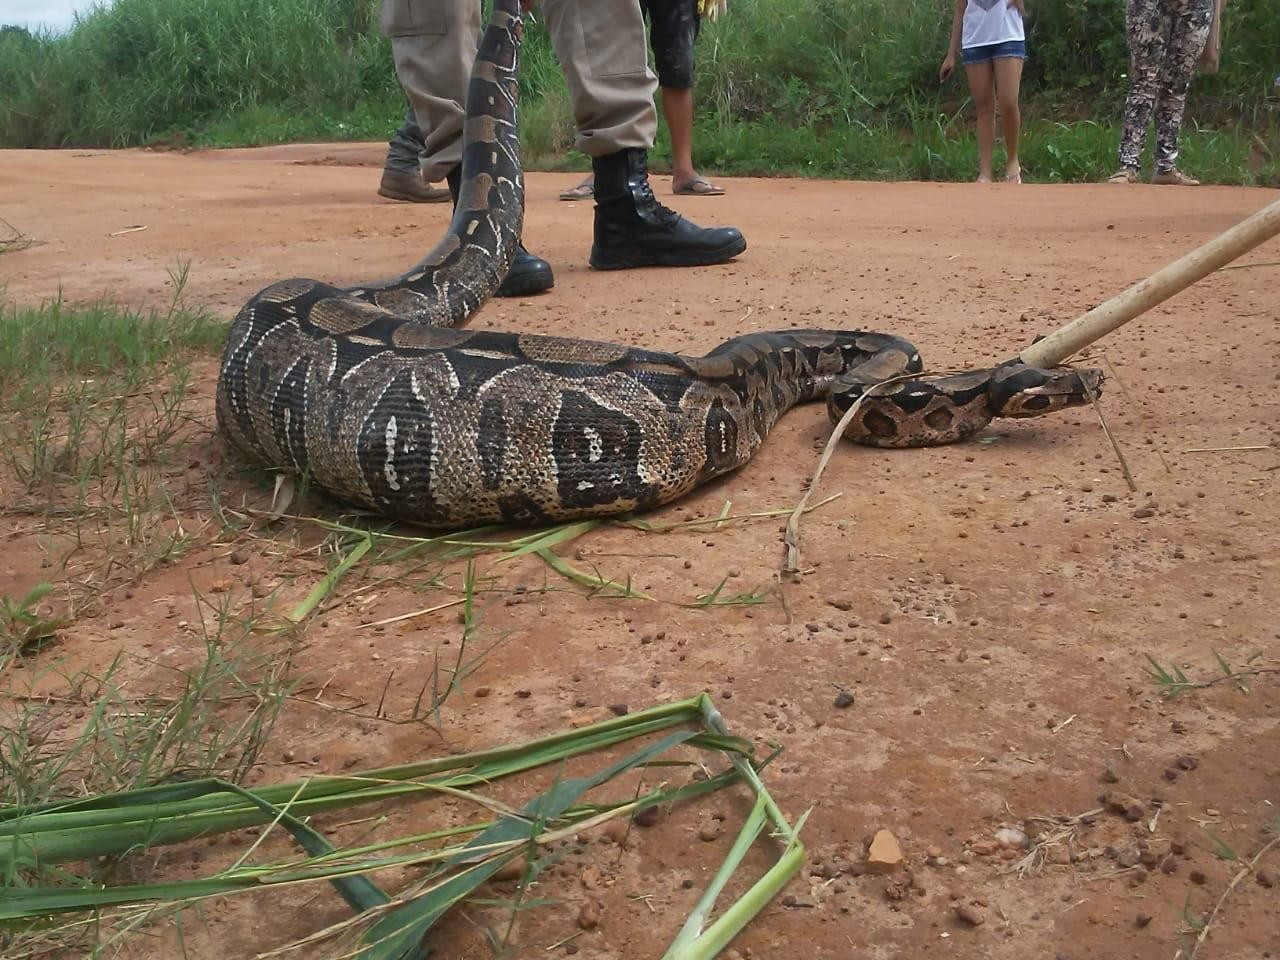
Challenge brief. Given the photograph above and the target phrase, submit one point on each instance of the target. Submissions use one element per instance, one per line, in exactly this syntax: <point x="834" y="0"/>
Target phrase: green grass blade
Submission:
<point x="359" y="892"/>
<point x="116" y="824"/>
<point x="390" y="936"/>
<point x="330" y="580"/>
<point x="554" y="537"/>
<point x="568" y="570"/>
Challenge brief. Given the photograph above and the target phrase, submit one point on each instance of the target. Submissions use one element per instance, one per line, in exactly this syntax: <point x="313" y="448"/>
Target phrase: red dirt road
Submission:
<point x="990" y="605"/>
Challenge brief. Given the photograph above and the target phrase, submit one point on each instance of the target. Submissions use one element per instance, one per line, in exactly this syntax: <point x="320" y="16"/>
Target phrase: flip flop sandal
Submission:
<point x="697" y="188"/>
<point x="583" y="191"/>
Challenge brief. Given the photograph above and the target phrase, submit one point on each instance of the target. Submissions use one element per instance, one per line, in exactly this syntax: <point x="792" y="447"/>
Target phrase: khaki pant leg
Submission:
<point x="434" y="44"/>
<point x="602" y="49"/>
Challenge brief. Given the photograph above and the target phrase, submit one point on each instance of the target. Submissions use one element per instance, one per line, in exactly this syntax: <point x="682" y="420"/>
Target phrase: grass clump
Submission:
<point x="96" y="413"/>
<point x="42" y="346"/>
<point x="72" y="735"/>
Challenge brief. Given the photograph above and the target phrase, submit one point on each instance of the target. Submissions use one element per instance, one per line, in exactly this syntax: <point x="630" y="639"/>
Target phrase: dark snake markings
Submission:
<point x="374" y="392"/>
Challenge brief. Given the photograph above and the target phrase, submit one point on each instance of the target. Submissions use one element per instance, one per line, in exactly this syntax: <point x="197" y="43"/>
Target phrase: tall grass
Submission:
<point x="824" y="86"/>
<point x="140" y="68"/>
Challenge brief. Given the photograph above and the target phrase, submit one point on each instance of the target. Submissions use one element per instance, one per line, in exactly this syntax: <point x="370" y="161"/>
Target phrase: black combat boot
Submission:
<point x="634" y="230"/>
<point x="528" y="274"/>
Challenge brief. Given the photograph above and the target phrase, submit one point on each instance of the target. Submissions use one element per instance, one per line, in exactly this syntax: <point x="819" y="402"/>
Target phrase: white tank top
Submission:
<point x="990" y="21"/>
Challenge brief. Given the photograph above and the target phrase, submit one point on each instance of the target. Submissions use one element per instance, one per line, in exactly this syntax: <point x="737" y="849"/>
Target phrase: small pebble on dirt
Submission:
<point x="1011" y="838"/>
<point x="1131" y="808"/>
<point x="971" y="914"/>
<point x="1187" y="762"/>
<point x="619" y="709"/>
<point x="1265" y="879"/>
<point x="885" y="854"/>
<point x="646" y="817"/>
<point x="709" y="831"/>
<point x="482" y="691"/>
<point x="239" y="556"/>
<point x="524" y="694"/>
<point x="1198" y="877"/>
<point x="843" y="700"/>
<point x="588" y="916"/>
<point x="1142" y="919"/>
<point x="512" y="870"/>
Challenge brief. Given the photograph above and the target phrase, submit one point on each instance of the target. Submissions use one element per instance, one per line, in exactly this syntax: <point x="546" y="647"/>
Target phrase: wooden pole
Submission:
<point x="1157" y="288"/>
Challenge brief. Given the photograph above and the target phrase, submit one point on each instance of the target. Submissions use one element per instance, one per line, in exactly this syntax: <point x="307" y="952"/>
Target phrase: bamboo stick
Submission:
<point x="1157" y="288"/>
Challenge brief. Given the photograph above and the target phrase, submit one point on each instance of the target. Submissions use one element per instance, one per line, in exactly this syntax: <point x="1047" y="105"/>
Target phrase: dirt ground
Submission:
<point x="990" y="606"/>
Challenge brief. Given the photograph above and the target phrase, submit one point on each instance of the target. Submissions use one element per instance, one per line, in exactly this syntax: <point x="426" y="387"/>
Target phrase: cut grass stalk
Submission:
<point x="104" y="826"/>
<point x="692" y="943"/>
<point x="400" y="924"/>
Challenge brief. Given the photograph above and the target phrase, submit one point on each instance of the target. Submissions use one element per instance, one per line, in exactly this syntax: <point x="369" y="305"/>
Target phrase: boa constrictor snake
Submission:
<point x="375" y="394"/>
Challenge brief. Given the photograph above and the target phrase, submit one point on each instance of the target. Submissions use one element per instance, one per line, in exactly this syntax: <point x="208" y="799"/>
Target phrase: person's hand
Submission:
<point x="947" y="69"/>
<point x="1020" y="6"/>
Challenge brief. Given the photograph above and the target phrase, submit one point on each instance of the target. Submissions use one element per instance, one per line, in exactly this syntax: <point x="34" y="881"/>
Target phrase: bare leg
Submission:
<point x="1008" y="71"/>
<point x="982" y="87"/>
<point x="677" y="107"/>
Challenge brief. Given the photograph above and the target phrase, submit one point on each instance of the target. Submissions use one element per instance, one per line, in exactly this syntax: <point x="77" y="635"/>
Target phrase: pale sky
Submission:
<point x="48" y="14"/>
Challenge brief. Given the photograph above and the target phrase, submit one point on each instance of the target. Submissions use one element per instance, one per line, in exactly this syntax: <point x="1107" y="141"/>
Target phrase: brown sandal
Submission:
<point x="697" y="187"/>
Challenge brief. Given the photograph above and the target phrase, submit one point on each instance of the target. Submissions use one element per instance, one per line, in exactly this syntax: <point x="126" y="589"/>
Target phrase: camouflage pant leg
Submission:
<point x="1165" y="41"/>
<point x="1186" y="43"/>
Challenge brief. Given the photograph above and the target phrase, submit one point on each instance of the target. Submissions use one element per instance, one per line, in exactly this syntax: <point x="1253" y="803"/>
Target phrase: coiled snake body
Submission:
<point x="374" y="393"/>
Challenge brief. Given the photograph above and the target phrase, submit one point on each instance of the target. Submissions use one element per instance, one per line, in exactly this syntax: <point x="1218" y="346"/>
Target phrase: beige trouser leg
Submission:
<point x="433" y="43"/>
<point x="601" y="46"/>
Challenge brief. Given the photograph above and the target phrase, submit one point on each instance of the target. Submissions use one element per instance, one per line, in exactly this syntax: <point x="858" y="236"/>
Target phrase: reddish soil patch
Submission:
<point x="990" y="605"/>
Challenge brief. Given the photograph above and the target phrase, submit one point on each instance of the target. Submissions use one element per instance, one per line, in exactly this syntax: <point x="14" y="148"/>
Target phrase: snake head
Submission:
<point x="1020" y="390"/>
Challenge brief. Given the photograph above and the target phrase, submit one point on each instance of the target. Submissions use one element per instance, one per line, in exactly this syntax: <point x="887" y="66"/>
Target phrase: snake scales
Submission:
<point x="375" y="394"/>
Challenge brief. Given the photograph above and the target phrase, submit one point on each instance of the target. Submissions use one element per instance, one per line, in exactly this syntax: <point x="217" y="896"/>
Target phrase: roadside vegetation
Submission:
<point x="814" y="88"/>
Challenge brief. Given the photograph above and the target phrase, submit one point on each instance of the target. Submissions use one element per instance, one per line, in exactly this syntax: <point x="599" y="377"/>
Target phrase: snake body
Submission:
<point x="374" y="393"/>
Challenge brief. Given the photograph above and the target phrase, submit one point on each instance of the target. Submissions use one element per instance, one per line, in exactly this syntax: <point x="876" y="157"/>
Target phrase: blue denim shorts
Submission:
<point x="1016" y="49"/>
